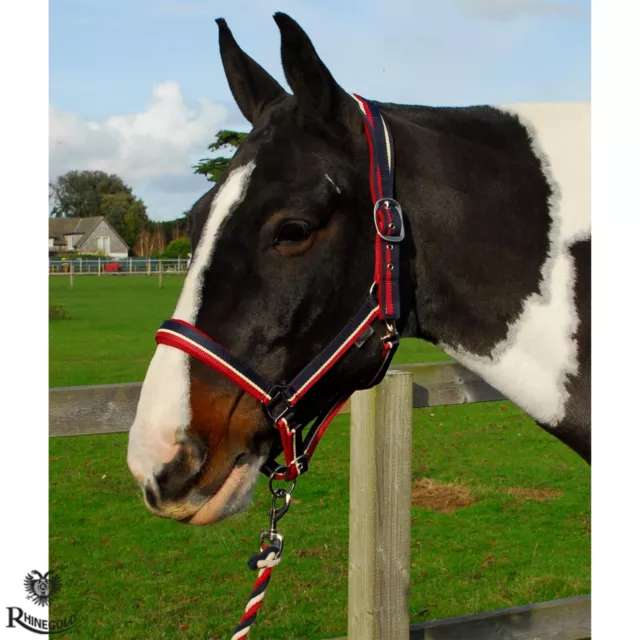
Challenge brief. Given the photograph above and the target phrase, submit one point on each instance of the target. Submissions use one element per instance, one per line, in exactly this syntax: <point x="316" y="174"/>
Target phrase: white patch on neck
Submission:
<point x="531" y="365"/>
<point x="335" y="186"/>
<point x="164" y="410"/>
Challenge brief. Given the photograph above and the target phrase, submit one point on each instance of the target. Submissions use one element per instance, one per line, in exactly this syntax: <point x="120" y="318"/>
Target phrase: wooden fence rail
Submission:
<point x="110" y="408"/>
<point x="565" y="619"/>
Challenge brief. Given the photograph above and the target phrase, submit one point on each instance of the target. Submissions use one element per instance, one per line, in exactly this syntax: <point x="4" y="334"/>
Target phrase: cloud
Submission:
<point x="512" y="9"/>
<point x="159" y="142"/>
<point x="186" y="183"/>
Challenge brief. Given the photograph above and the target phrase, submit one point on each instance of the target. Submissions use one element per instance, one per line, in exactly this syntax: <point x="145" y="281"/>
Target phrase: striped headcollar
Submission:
<point x="280" y="402"/>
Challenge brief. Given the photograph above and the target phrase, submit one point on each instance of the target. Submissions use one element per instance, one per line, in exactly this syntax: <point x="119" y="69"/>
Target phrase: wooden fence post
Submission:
<point x="380" y="510"/>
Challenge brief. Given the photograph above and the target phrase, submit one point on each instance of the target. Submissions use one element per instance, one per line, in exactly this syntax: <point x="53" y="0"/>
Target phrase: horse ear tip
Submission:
<point x="282" y="19"/>
<point x="222" y="24"/>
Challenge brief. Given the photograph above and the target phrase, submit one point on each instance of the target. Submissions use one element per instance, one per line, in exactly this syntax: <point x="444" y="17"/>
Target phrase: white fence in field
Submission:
<point x="117" y="266"/>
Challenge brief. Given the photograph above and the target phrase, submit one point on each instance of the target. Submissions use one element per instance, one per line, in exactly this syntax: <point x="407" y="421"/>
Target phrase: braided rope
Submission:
<point x="264" y="562"/>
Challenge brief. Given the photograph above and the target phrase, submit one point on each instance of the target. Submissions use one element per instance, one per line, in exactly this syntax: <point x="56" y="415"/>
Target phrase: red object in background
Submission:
<point x="110" y="267"/>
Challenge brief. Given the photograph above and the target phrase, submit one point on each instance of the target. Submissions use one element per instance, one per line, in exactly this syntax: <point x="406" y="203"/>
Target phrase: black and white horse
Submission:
<point x="495" y="268"/>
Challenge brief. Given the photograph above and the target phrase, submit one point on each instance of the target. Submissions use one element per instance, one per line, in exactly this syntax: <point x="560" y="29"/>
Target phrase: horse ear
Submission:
<point x="311" y="81"/>
<point x="252" y="87"/>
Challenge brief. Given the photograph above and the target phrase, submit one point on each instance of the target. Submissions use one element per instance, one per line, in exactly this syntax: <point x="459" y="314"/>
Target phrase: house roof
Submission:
<point x="61" y="227"/>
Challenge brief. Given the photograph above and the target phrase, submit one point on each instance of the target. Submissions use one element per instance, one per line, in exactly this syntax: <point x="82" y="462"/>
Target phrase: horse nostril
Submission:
<point x="150" y="497"/>
<point x="196" y="449"/>
<point x="179" y="476"/>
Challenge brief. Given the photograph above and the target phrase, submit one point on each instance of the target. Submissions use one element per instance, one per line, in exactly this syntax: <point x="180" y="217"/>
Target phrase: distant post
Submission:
<point x="380" y="510"/>
<point x="71" y="275"/>
<point x="99" y="266"/>
<point x="160" y="273"/>
<point x="148" y="266"/>
<point x="129" y="265"/>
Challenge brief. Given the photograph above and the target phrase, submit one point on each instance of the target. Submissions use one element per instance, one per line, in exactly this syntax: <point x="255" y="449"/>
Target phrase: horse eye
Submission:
<point x="292" y="232"/>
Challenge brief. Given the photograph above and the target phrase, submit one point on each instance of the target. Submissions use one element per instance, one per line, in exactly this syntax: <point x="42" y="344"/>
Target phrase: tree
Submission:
<point x="213" y="168"/>
<point x="149" y="241"/>
<point x="178" y="248"/>
<point x="78" y="194"/>
<point x="156" y="235"/>
<point x="125" y="213"/>
<point x="81" y="194"/>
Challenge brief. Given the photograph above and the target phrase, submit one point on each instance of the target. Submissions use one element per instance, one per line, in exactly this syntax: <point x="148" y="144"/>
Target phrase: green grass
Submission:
<point x="128" y="574"/>
<point x="109" y="335"/>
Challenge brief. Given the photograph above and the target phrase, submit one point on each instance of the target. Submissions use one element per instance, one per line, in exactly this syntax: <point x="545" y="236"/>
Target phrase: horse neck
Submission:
<point x="467" y="251"/>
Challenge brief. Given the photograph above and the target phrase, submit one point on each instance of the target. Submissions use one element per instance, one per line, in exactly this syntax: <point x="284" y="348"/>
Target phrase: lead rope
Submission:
<point x="271" y="546"/>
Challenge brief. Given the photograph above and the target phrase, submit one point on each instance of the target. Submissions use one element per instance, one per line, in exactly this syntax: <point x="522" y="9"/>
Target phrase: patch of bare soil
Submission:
<point x="444" y="498"/>
<point x="541" y="495"/>
<point x="58" y="312"/>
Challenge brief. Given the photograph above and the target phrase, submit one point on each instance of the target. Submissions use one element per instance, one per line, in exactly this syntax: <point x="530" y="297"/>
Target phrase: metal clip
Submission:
<point x="272" y="536"/>
<point x="278" y="513"/>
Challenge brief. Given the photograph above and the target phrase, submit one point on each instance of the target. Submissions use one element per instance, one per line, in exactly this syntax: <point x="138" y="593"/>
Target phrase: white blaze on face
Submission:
<point x="531" y="365"/>
<point x="164" y="409"/>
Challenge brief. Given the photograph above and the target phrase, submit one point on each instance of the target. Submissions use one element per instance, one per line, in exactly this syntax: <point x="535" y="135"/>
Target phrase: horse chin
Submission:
<point x="234" y="496"/>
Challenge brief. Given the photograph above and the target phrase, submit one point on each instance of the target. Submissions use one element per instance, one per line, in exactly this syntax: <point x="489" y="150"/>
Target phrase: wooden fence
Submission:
<point x="109" y="408"/>
<point x="565" y="619"/>
<point x="380" y="503"/>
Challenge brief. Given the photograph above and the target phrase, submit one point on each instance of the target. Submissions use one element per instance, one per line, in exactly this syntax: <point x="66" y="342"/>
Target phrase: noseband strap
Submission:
<point x="382" y="304"/>
<point x="184" y="336"/>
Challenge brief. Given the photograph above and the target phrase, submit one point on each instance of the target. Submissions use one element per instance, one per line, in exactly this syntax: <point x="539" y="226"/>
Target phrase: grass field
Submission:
<point x="109" y="335"/>
<point x="503" y="518"/>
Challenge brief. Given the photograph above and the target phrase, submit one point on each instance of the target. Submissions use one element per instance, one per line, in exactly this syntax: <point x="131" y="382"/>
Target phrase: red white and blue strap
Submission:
<point x="329" y="356"/>
<point x="182" y="335"/>
<point x="387" y="212"/>
<point x="298" y="450"/>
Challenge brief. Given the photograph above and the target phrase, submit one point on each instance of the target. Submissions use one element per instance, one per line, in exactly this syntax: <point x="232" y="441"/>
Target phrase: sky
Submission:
<point x="136" y="87"/>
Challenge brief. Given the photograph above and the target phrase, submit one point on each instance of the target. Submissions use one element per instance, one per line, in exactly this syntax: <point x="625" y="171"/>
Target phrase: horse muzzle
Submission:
<point x="181" y="489"/>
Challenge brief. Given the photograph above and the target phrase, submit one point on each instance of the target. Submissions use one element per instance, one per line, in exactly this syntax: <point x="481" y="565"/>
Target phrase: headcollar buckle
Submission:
<point x="388" y="220"/>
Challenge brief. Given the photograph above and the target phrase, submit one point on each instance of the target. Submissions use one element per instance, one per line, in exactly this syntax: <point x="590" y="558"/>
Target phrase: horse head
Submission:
<point x="283" y="259"/>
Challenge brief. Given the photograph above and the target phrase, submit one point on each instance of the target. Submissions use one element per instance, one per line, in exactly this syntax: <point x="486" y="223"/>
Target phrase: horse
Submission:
<point x="486" y="254"/>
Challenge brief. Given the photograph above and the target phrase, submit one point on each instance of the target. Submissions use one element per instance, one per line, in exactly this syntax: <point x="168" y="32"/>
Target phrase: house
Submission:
<point x="85" y="235"/>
